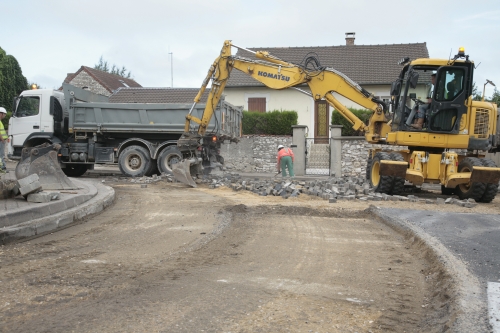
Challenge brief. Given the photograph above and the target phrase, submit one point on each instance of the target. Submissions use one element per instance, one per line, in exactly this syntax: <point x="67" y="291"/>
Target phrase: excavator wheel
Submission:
<point x="382" y="184"/>
<point x="398" y="183"/>
<point x="447" y="190"/>
<point x="491" y="189"/>
<point x="369" y="165"/>
<point x="471" y="190"/>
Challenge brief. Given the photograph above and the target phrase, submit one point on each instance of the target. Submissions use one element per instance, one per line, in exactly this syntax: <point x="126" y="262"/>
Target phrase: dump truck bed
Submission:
<point x="103" y="117"/>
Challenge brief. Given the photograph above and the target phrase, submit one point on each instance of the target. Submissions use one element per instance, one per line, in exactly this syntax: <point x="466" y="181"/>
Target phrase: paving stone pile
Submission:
<point x="29" y="187"/>
<point x="331" y="189"/>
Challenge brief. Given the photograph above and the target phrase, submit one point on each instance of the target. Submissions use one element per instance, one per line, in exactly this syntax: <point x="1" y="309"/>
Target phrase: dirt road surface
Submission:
<point x="167" y="258"/>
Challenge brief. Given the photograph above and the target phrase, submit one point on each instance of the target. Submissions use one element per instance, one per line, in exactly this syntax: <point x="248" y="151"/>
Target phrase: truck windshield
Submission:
<point x="28" y="106"/>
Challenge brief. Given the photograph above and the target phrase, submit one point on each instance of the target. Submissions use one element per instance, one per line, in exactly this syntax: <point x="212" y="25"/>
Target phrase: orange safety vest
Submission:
<point x="285" y="152"/>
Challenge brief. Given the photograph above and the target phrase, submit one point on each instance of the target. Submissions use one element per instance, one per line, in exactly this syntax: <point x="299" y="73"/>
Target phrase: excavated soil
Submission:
<point x="167" y="258"/>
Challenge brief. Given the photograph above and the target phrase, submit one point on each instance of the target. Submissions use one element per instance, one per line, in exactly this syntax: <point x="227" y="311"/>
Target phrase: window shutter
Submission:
<point x="257" y="104"/>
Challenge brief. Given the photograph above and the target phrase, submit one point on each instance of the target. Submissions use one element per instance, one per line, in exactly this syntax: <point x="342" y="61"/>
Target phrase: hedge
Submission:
<point x="271" y="123"/>
<point x="347" y="130"/>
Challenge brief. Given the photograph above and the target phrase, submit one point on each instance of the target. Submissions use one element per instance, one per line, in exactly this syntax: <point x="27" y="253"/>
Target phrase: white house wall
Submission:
<point x="293" y="100"/>
<point x="289" y="100"/>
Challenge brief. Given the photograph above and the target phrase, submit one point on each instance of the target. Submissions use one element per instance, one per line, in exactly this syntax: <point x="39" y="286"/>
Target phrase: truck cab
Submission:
<point x="33" y="118"/>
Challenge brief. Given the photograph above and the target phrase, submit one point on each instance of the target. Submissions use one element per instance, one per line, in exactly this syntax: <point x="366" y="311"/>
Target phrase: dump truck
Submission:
<point x="84" y="129"/>
<point x="447" y="147"/>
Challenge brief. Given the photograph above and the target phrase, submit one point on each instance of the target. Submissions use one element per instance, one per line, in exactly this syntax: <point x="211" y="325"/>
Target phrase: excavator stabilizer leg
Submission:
<point x="42" y="160"/>
<point x="487" y="175"/>
<point x="182" y="172"/>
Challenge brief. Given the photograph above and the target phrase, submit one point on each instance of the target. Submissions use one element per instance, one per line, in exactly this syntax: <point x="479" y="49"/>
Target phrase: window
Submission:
<point x="450" y="84"/>
<point x="28" y="106"/>
<point x="257" y="104"/>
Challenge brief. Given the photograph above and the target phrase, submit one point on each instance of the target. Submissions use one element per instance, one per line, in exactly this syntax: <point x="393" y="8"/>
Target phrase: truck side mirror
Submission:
<point x="396" y="88"/>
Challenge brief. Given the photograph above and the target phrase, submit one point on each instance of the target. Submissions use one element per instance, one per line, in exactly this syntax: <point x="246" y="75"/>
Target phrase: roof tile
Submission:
<point x="364" y="64"/>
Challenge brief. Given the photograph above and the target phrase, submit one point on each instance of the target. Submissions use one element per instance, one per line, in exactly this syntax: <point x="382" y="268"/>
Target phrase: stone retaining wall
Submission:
<point x="355" y="155"/>
<point x="256" y="153"/>
<point x="253" y="153"/>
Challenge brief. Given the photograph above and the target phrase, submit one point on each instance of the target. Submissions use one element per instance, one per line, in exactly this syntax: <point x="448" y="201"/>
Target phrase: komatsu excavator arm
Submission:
<point x="278" y="74"/>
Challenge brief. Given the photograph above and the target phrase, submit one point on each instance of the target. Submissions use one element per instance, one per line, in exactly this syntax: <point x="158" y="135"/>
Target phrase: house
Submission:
<point x="98" y="81"/>
<point x="373" y="67"/>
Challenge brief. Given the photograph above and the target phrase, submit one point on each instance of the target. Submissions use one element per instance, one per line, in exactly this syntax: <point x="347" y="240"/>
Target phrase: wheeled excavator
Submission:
<point x="448" y="149"/>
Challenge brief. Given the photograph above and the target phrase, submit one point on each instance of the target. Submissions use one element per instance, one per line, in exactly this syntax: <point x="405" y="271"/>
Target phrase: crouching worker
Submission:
<point x="285" y="160"/>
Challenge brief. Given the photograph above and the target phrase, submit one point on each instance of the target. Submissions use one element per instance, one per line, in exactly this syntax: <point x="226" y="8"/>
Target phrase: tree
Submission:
<point x="102" y="65"/>
<point x="12" y="82"/>
<point x="476" y="96"/>
<point x="495" y="98"/>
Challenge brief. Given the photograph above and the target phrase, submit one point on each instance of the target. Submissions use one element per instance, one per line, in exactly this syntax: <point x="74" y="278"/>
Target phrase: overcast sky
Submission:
<point x="51" y="38"/>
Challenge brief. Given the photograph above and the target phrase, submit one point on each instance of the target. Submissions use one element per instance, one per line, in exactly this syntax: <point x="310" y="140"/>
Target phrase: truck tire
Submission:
<point x="134" y="161"/>
<point x="153" y="169"/>
<point x="398" y="183"/>
<point x="382" y="184"/>
<point x="470" y="190"/>
<point x="74" y="170"/>
<point x="167" y="158"/>
<point x="491" y="189"/>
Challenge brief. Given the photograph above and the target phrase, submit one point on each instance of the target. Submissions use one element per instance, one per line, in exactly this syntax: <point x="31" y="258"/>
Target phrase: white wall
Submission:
<point x="289" y="100"/>
<point x="293" y="100"/>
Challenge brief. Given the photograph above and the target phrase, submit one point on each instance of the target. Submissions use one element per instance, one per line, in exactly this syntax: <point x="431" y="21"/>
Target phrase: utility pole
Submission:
<point x="171" y="69"/>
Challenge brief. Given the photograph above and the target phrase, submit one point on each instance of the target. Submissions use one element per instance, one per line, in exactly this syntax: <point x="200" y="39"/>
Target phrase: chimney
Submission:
<point x="349" y="38"/>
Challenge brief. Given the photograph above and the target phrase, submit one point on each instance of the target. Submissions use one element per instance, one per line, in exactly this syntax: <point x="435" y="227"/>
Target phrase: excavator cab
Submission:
<point x="448" y="96"/>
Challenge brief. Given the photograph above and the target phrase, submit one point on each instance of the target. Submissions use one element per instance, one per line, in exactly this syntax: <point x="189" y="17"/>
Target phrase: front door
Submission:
<point x="321" y="122"/>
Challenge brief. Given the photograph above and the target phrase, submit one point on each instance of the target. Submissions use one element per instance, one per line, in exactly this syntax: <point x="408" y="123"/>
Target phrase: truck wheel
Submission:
<point x="470" y="190"/>
<point x="134" y="161"/>
<point x="153" y="169"/>
<point x="491" y="189"/>
<point x="168" y="157"/>
<point x="382" y="184"/>
<point x="74" y="170"/>
<point x="398" y="183"/>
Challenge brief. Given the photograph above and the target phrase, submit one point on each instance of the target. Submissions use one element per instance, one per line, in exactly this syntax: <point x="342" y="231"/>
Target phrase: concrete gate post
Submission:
<point x="299" y="149"/>
<point x="336" y="150"/>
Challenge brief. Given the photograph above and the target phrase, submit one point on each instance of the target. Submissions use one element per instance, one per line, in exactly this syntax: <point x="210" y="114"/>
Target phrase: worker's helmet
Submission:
<point x="280" y="146"/>
<point x="2" y="110"/>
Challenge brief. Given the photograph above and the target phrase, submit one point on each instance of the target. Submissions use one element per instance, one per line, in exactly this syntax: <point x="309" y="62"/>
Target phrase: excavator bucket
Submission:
<point x="42" y="160"/>
<point x="182" y="172"/>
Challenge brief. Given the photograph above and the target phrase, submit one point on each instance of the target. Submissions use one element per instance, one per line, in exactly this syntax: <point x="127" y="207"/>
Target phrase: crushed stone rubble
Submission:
<point x="29" y="187"/>
<point x="331" y="189"/>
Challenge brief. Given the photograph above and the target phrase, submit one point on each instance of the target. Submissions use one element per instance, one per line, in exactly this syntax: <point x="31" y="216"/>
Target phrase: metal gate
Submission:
<point x="317" y="158"/>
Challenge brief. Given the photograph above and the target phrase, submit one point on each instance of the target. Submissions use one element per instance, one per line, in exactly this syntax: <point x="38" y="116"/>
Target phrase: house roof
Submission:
<point x="156" y="95"/>
<point x="364" y="64"/>
<point x="110" y="82"/>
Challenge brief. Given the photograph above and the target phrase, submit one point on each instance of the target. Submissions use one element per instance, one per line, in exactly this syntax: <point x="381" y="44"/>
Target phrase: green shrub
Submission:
<point x="271" y="123"/>
<point x="347" y="130"/>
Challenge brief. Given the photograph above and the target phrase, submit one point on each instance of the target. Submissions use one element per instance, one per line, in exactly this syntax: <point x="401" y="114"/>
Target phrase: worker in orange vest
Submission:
<point x="285" y="160"/>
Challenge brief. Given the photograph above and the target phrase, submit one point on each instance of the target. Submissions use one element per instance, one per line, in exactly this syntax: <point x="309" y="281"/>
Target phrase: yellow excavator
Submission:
<point x="446" y="148"/>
